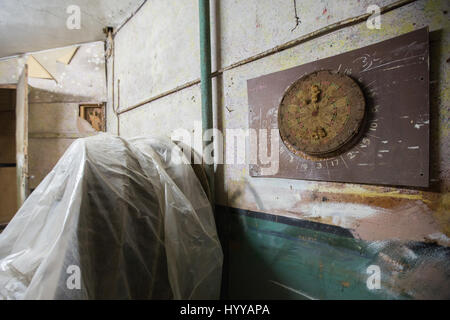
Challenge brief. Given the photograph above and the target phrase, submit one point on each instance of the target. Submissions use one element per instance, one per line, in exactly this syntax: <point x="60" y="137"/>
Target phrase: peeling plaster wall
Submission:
<point x="147" y="62"/>
<point x="53" y="118"/>
<point x="158" y="50"/>
<point x="10" y="69"/>
<point x="53" y="105"/>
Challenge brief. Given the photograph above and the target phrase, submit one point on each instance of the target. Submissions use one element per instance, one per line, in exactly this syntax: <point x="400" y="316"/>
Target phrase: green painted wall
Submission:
<point x="269" y="259"/>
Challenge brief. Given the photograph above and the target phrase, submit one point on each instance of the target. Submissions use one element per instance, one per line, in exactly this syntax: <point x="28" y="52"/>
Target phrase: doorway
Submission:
<point x="8" y="174"/>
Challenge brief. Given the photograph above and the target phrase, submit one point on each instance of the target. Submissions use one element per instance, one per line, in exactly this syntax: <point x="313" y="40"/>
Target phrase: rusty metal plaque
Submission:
<point x="380" y="132"/>
<point x="320" y="114"/>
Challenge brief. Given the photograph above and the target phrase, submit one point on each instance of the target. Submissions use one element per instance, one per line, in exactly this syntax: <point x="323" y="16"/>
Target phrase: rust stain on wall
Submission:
<point x="442" y="213"/>
<point x="413" y="221"/>
<point x="370" y="212"/>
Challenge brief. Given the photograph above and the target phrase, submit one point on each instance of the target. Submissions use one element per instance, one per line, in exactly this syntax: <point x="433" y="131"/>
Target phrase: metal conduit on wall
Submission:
<point x="206" y="84"/>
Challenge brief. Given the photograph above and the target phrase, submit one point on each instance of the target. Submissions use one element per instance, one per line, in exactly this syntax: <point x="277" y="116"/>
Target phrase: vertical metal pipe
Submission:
<point x="206" y="85"/>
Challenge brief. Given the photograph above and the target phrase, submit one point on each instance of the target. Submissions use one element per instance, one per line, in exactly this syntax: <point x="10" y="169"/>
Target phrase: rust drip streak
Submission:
<point x="287" y="45"/>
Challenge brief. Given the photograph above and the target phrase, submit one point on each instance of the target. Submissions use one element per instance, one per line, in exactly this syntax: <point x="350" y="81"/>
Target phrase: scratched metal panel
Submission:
<point x="393" y="148"/>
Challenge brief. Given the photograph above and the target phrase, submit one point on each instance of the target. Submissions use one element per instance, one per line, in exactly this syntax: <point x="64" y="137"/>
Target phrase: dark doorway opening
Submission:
<point x="8" y="175"/>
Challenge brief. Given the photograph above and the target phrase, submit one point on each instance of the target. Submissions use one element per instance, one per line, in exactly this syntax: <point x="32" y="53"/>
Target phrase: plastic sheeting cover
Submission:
<point x="123" y="218"/>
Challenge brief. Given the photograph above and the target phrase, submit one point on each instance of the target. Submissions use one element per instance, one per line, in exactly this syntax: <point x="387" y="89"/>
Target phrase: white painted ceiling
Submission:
<point x="33" y="25"/>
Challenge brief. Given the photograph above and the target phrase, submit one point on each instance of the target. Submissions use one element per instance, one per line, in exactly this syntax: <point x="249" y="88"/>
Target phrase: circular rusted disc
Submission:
<point x="320" y="113"/>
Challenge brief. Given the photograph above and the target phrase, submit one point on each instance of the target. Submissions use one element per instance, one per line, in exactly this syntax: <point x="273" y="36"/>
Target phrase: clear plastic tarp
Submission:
<point x="114" y="219"/>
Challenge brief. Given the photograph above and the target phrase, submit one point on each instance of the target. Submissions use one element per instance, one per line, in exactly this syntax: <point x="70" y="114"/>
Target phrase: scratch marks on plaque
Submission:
<point x="360" y="150"/>
<point x="373" y="136"/>
<point x="369" y="62"/>
<point x="345" y="163"/>
<point x="328" y="170"/>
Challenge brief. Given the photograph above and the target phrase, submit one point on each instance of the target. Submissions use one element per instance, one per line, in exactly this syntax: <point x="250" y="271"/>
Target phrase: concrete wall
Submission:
<point x="158" y="50"/>
<point x="54" y="122"/>
<point x="53" y="104"/>
<point x="10" y="69"/>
